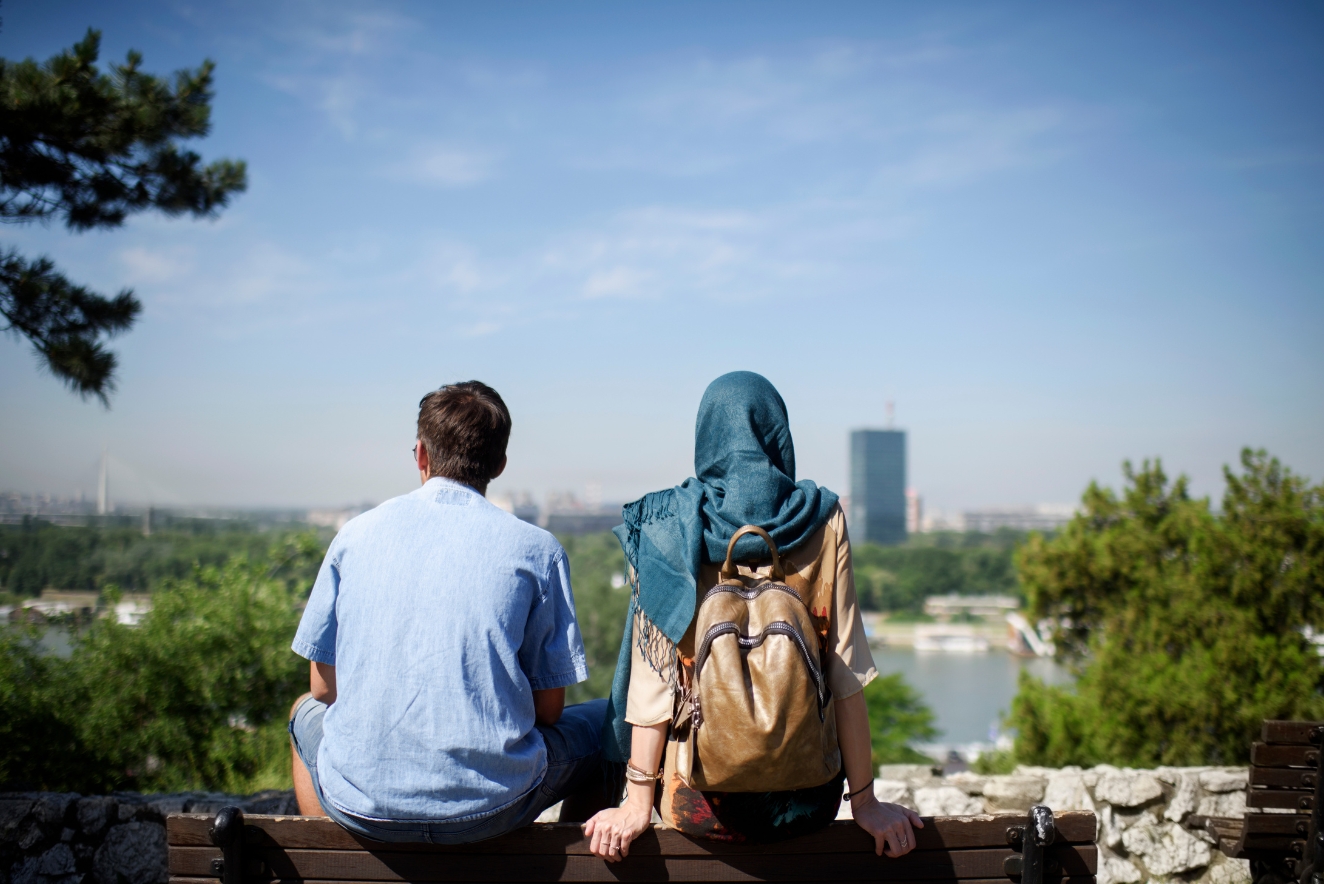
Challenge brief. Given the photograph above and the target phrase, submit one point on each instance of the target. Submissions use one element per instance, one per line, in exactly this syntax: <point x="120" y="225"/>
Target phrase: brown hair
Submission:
<point x="464" y="428"/>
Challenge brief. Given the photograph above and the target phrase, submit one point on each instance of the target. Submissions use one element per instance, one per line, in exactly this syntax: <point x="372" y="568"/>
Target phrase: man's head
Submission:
<point x="463" y="429"/>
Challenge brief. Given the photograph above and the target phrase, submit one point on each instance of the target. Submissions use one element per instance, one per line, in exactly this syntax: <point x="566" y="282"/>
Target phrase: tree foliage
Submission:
<point x="898" y="717"/>
<point x="1188" y="627"/>
<point x="36" y="555"/>
<point x="91" y="148"/>
<point x="195" y="696"/>
<point x="600" y="607"/>
<point x="899" y="578"/>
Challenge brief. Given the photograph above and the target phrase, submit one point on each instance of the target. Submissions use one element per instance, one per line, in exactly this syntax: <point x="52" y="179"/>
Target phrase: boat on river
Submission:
<point x="949" y="638"/>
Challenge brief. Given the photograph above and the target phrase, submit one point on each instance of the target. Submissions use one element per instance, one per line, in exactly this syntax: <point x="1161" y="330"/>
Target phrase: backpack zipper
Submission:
<point x="751" y="593"/>
<point x="777" y="627"/>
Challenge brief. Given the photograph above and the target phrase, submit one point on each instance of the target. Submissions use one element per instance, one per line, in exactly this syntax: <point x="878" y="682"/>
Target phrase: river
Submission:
<point x="968" y="693"/>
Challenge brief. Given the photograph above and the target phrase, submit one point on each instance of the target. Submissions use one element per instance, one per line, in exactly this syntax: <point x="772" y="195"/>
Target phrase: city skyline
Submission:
<point x="1057" y="238"/>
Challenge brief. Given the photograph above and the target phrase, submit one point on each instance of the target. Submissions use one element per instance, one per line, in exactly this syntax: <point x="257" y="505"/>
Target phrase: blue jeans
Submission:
<point x="575" y="771"/>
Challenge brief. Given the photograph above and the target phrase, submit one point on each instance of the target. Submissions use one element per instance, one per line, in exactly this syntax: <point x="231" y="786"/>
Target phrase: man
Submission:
<point x="441" y="636"/>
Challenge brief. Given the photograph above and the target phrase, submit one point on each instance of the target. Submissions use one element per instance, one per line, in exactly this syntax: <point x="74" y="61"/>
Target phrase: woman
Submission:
<point x="674" y="541"/>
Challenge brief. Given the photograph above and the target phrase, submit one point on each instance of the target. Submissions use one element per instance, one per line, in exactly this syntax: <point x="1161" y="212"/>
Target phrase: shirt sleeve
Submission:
<point x="851" y="666"/>
<point x="552" y="653"/>
<point x="648" y="700"/>
<point x="315" y="639"/>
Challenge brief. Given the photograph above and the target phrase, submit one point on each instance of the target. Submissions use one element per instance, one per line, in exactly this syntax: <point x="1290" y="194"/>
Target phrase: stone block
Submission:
<point x="1043" y="773"/>
<point x="1066" y="791"/>
<point x="1110" y="828"/>
<point x="1186" y="798"/>
<point x="165" y="805"/>
<point x="1223" y="804"/>
<point x="1226" y="870"/>
<point x="1128" y="788"/>
<point x="25" y="872"/>
<point x="1221" y="780"/>
<point x="968" y="782"/>
<point x="1012" y="792"/>
<point x="57" y="861"/>
<point x="30" y="835"/>
<point x="893" y="792"/>
<point x="1166" y="848"/>
<point x="1115" y="870"/>
<point x="94" y="813"/>
<point x="911" y="774"/>
<point x="1096" y="773"/>
<point x="946" y="801"/>
<point x="51" y="807"/>
<point x="12" y="813"/>
<point x="133" y="853"/>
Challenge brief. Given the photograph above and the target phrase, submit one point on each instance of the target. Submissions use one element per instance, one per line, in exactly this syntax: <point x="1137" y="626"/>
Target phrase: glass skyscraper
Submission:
<point x="878" y="486"/>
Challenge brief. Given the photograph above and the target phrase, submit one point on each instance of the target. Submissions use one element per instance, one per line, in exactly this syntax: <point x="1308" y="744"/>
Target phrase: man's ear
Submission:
<point x="421" y="456"/>
<point x="501" y="469"/>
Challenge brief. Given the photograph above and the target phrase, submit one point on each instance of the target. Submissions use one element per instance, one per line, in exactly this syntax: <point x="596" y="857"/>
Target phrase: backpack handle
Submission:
<point x="728" y="567"/>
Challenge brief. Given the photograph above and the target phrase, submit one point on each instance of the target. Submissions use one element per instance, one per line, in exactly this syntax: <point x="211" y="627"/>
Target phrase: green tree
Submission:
<point x="196" y="696"/>
<point x="600" y="607"/>
<point x="91" y="149"/>
<point x="897" y="718"/>
<point x="1187" y="626"/>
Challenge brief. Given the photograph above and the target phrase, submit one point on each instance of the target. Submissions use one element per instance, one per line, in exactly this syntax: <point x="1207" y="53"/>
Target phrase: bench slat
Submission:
<point x="1073" y="827"/>
<point x="1289" y="800"/>
<point x="1289" y="731"/>
<point x="1283" y="777"/>
<point x="1273" y="755"/>
<point x="380" y="865"/>
<point x="1277" y="824"/>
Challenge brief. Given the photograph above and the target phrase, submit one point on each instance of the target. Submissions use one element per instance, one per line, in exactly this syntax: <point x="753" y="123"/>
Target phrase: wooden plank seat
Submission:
<point x="990" y="849"/>
<point x="1280" y="833"/>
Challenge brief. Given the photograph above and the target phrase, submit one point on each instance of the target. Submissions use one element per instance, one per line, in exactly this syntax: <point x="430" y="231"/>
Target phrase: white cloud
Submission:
<point x="446" y="167"/>
<point x="480" y="329"/>
<point x="615" y="282"/>
<point x="148" y="266"/>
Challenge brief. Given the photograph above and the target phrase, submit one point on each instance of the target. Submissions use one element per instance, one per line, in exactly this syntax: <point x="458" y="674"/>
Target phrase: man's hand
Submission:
<point x="548" y="706"/>
<point x="889" y="824"/>
<point x="610" y="831"/>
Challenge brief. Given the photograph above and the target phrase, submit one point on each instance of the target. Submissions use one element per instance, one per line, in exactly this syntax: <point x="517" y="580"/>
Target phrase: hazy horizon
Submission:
<point x="1056" y="237"/>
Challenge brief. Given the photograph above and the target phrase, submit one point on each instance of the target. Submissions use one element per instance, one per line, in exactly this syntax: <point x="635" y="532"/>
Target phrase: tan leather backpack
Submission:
<point x="757" y="713"/>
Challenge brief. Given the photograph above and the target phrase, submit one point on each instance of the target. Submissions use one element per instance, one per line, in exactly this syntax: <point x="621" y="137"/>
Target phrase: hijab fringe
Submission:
<point x="658" y="651"/>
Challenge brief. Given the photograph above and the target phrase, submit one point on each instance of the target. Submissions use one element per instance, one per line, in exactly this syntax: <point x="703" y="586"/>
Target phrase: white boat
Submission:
<point x="949" y="638"/>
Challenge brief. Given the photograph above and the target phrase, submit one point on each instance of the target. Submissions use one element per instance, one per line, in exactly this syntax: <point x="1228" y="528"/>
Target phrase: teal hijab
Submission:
<point x="744" y="474"/>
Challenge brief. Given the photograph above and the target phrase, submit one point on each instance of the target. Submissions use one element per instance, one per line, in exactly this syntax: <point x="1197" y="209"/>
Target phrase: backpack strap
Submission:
<point x="728" y="567"/>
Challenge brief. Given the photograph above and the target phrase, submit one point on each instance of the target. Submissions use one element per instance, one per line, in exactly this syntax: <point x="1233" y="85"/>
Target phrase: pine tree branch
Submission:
<point x="65" y="322"/>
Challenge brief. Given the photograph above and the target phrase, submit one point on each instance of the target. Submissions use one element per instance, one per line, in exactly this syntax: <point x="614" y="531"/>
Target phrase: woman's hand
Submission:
<point x="610" y="831"/>
<point x="889" y="824"/>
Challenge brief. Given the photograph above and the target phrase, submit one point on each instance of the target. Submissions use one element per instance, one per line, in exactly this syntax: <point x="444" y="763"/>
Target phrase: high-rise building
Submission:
<point x="914" y="512"/>
<point x="878" y="485"/>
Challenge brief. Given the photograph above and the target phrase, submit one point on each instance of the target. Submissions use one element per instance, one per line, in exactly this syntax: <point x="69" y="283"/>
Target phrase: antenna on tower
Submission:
<point x="891" y="414"/>
<point x="103" y="487"/>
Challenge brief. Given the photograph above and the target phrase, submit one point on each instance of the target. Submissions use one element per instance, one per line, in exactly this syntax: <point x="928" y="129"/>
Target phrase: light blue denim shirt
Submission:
<point x="442" y="614"/>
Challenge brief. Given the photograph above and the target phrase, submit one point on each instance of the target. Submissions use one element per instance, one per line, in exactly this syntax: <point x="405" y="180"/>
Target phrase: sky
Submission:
<point x="1056" y="236"/>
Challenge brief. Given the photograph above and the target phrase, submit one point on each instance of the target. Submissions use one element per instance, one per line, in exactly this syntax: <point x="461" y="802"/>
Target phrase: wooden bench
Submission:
<point x="976" y="850"/>
<point x="1281" y="832"/>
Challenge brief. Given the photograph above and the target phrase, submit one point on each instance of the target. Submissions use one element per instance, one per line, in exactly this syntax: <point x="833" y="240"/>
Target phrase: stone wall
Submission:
<point x="64" y="838"/>
<point x="51" y="838"/>
<point x="1141" y="836"/>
